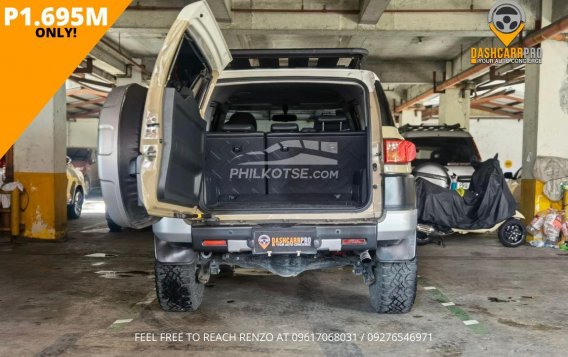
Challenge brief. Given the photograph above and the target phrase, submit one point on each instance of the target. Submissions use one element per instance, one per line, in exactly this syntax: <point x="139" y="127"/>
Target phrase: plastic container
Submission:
<point x="454" y="182"/>
<point x="536" y="224"/>
<point x="552" y="227"/>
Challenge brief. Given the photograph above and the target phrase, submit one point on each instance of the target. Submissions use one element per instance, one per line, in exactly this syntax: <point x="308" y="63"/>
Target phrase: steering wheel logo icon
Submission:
<point x="506" y="20"/>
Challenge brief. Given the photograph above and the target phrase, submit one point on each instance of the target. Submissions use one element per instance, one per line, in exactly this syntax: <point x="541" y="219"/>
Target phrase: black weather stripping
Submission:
<point x="298" y="58"/>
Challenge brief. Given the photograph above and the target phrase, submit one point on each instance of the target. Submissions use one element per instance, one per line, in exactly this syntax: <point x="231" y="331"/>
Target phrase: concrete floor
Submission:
<point x="55" y="300"/>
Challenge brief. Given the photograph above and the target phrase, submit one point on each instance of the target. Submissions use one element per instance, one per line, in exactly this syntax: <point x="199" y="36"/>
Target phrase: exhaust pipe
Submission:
<point x="365" y="257"/>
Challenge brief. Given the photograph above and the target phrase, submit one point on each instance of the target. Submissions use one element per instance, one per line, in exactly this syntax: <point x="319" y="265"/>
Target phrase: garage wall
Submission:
<point x="82" y="133"/>
<point x="503" y="136"/>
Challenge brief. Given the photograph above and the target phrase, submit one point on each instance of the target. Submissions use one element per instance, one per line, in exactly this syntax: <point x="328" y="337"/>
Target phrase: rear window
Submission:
<point x="309" y="106"/>
<point x="445" y="150"/>
<point x="303" y="118"/>
<point x="79" y="154"/>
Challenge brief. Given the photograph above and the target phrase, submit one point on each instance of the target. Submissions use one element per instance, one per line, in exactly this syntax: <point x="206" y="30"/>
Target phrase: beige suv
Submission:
<point x="282" y="160"/>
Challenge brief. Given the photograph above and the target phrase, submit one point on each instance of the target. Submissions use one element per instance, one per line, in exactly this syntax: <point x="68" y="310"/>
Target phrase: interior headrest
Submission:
<point x="332" y="119"/>
<point x="238" y="128"/>
<point x="284" y="117"/>
<point x="332" y="123"/>
<point x="284" y="128"/>
<point x="242" y="118"/>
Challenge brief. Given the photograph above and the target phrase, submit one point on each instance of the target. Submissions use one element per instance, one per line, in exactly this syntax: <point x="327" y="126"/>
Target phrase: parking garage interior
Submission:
<point x="74" y="283"/>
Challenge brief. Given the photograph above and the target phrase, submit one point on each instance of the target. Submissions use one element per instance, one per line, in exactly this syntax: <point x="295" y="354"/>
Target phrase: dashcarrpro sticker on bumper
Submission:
<point x="264" y="241"/>
<point x="291" y="241"/>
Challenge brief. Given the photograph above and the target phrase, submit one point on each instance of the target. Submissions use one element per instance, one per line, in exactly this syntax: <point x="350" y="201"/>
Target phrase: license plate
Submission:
<point x="284" y="242"/>
<point x="464" y="185"/>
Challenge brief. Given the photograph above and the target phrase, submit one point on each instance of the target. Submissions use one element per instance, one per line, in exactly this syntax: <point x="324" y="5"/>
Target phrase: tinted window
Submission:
<point x="79" y="154"/>
<point x="304" y="118"/>
<point x="444" y="150"/>
<point x="190" y="73"/>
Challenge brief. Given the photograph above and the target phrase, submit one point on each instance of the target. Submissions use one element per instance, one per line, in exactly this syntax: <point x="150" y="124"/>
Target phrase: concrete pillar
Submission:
<point x="39" y="164"/>
<point x="410" y="116"/>
<point x="454" y="108"/>
<point x="545" y="124"/>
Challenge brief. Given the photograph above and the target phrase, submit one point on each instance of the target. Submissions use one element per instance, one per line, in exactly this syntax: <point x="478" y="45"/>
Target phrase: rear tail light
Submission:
<point x="214" y="243"/>
<point x="354" y="241"/>
<point x="399" y="151"/>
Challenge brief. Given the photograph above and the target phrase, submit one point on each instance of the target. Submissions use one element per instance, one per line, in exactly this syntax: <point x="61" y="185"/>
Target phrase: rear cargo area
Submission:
<point x="301" y="146"/>
<point x="279" y="170"/>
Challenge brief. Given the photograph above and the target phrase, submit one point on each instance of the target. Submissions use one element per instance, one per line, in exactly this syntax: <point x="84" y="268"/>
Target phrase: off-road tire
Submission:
<point x="177" y="287"/>
<point x="394" y="289"/>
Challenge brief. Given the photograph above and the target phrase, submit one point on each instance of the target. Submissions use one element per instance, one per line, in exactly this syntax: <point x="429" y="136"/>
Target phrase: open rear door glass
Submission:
<point x="193" y="55"/>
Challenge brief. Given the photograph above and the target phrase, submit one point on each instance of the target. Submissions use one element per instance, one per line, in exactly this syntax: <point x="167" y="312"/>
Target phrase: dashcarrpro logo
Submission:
<point x="507" y="20"/>
<point x="264" y="241"/>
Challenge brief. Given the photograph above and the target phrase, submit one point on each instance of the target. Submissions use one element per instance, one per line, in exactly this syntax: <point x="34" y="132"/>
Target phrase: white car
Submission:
<point x="446" y="145"/>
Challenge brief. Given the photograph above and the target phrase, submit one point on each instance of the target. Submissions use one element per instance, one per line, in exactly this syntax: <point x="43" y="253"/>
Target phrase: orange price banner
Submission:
<point x="41" y="43"/>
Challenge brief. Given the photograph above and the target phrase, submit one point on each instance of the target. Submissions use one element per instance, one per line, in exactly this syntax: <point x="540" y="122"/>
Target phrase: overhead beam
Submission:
<point x="464" y="24"/>
<point x="86" y="91"/>
<point x="531" y="40"/>
<point x="497" y="111"/>
<point x="84" y="102"/>
<point x="105" y="60"/>
<point x="404" y="72"/>
<point x="371" y="11"/>
<point x="221" y="9"/>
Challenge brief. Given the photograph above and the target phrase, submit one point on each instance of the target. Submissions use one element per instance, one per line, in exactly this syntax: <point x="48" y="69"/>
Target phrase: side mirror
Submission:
<point x="508" y="175"/>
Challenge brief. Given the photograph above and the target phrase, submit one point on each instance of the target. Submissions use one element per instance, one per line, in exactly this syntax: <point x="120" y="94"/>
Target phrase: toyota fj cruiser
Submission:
<point x="283" y="160"/>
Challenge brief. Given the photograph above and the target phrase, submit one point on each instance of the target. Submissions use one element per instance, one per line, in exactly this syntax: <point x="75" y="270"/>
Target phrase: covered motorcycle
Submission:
<point x="487" y="205"/>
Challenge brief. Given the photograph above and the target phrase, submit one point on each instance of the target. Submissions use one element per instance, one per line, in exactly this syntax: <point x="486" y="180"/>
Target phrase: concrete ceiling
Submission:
<point x="407" y="40"/>
<point x="426" y="33"/>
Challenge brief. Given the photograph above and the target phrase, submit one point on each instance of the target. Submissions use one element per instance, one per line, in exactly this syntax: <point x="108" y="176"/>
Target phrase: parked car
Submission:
<point x="85" y="159"/>
<point x="270" y="159"/>
<point x="75" y="191"/>
<point x="447" y="145"/>
<point x="514" y="184"/>
<point x="2" y="169"/>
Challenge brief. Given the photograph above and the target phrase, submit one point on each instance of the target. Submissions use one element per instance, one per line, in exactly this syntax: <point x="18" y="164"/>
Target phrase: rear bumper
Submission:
<point x="393" y="238"/>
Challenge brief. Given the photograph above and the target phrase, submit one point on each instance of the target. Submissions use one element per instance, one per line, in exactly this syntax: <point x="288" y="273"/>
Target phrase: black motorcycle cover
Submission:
<point x="487" y="202"/>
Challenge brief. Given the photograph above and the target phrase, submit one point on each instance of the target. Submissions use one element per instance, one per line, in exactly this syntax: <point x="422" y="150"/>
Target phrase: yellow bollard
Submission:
<point x="15" y="213"/>
<point x="565" y="200"/>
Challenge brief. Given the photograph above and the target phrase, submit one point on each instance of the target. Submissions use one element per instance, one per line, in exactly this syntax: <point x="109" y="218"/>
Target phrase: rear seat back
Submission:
<point x="242" y="118"/>
<point x="222" y="173"/>
<point x="316" y="153"/>
<point x="284" y="128"/>
<point x="237" y="156"/>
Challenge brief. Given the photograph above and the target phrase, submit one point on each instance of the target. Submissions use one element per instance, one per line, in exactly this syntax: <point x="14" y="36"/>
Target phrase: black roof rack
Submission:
<point x="444" y="127"/>
<point x="298" y="58"/>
